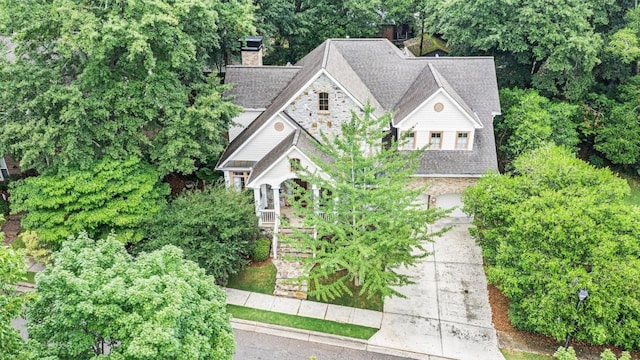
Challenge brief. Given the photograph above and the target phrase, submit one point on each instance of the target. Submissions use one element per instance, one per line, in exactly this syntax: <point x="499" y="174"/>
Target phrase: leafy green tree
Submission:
<point x="96" y="301"/>
<point x="555" y="226"/>
<point x="367" y="223"/>
<point x="552" y="46"/>
<point x="110" y="196"/>
<point x="215" y="227"/>
<point x="294" y="28"/>
<point x="118" y="79"/>
<point x="530" y="120"/>
<point x="12" y="270"/>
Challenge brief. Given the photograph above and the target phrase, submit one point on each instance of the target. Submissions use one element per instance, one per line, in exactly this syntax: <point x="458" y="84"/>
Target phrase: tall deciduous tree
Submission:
<point x="110" y="196"/>
<point x="97" y="301"/>
<point x="550" y="45"/>
<point x="298" y="26"/>
<point x="368" y="221"/>
<point x="116" y="78"/>
<point x="555" y="226"/>
<point x="215" y="227"/>
<point x="530" y="120"/>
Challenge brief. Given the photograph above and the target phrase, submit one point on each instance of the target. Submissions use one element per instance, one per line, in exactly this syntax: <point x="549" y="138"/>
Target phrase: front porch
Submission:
<point x="273" y="206"/>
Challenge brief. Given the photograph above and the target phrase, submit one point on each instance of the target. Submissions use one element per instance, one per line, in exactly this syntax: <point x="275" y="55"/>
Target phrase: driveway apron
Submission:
<point x="446" y="312"/>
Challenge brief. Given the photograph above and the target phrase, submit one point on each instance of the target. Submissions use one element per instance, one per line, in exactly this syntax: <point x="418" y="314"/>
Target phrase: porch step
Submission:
<point x="287" y="284"/>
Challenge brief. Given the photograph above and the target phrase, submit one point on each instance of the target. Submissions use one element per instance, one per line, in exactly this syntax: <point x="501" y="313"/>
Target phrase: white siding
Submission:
<point x="282" y="169"/>
<point x="449" y="121"/>
<point x="263" y="141"/>
<point x="243" y="120"/>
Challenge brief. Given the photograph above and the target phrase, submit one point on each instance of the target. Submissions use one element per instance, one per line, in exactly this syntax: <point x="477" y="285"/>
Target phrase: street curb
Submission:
<point x="327" y="339"/>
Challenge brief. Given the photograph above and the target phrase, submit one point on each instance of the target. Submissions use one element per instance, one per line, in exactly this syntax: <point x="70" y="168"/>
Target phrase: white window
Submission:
<point x="410" y="141"/>
<point x="435" y="140"/>
<point x="239" y="179"/>
<point x="4" y="171"/>
<point x="462" y="140"/>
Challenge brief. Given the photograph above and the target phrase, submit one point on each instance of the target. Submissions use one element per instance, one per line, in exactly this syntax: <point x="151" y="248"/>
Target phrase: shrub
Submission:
<point x="34" y="247"/>
<point x="4" y="207"/>
<point x="214" y="227"/>
<point x="261" y="250"/>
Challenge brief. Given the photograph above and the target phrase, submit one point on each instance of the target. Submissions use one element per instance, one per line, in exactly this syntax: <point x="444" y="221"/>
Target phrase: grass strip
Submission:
<point x="510" y="354"/>
<point x="301" y="322"/>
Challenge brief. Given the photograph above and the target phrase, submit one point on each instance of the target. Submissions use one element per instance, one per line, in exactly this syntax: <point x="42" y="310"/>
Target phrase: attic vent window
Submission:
<point x="279" y="126"/>
<point x="323" y="101"/>
<point x="438" y="107"/>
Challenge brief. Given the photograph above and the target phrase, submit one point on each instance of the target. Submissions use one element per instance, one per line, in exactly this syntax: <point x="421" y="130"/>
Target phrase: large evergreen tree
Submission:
<point x="368" y="222"/>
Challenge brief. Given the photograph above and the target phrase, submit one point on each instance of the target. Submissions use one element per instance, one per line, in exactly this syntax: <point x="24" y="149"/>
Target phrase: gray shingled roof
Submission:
<point x="398" y="83"/>
<point x="255" y="87"/>
<point x="300" y="139"/>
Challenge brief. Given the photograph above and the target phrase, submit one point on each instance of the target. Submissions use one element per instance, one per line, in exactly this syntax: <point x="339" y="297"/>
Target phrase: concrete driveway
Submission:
<point x="446" y="313"/>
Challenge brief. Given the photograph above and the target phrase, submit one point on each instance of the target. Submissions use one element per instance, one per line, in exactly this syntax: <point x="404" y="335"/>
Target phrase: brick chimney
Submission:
<point x="252" y="51"/>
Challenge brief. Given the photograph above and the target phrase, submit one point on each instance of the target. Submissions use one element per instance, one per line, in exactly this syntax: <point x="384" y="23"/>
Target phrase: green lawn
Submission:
<point x="300" y="322"/>
<point x="357" y="300"/>
<point x="256" y="278"/>
<point x="518" y="355"/>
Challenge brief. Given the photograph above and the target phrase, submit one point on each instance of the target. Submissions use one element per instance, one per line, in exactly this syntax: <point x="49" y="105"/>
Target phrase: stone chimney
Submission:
<point x="252" y="51"/>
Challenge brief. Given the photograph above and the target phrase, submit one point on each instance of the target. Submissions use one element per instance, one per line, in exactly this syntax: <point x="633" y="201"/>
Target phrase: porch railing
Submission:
<point x="267" y="217"/>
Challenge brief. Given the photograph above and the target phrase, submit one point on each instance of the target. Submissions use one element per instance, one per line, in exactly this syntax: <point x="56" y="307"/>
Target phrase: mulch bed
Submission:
<point x="512" y="338"/>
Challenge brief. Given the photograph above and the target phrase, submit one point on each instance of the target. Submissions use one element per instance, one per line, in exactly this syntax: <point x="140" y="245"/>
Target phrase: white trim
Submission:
<point x="346" y="92"/>
<point x="244" y="144"/>
<point x="477" y="125"/>
<point x="253" y="182"/>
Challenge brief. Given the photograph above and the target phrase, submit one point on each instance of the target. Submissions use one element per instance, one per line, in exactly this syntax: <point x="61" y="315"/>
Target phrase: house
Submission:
<point x="445" y="104"/>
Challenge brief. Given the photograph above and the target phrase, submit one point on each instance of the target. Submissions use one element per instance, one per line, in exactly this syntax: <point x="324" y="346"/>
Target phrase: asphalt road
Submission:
<point x="256" y="346"/>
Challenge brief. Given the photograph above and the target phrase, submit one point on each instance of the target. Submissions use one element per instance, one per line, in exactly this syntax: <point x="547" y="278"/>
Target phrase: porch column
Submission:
<point x="256" y="199"/>
<point x="316" y="198"/>
<point x="264" y="198"/>
<point x="276" y="200"/>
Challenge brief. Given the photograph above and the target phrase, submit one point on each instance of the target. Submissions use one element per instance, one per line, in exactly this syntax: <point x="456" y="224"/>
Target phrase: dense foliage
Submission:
<point x="96" y="299"/>
<point x="366" y="221"/>
<point x="557" y="225"/>
<point x="12" y="270"/>
<point x="110" y="196"/>
<point x="116" y="78"/>
<point x="215" y="227"/>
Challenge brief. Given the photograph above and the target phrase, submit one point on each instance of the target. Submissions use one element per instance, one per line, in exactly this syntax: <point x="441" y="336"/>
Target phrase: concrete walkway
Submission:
<point x="305" y="308"/>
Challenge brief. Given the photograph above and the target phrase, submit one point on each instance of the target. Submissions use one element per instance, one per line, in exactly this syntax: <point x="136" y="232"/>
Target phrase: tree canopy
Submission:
<point x="367" y="221"/>
<point x="111" y="195"/>
<point x="96" y="301"/>
<point x="120" y="79"/>
<point x="555" y="226"/>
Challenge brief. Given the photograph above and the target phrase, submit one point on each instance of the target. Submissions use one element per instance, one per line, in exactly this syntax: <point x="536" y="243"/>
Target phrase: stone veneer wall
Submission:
<point x="304" y="108"/>
<point x="443" y="185"/>
<point x="252" y="58"/>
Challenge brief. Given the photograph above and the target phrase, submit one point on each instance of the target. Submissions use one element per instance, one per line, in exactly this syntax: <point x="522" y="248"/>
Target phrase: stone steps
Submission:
<point x="289" y="267"/>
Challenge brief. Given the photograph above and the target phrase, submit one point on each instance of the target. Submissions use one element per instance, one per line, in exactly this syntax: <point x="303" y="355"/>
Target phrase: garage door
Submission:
<point x="448" y="201"/>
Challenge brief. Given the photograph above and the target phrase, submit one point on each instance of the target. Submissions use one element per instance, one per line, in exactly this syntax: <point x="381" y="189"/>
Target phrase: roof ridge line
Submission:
<point x="436" y="75"/>
<point x="325" y="58"/>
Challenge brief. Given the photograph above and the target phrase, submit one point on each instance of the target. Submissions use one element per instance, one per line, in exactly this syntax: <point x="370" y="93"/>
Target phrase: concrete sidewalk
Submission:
<point x="305" y="308"/>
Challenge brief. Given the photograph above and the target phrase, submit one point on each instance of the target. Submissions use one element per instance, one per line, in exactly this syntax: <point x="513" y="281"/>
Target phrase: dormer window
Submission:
<point x="323" y="101"/>
<point x="462" y="140"/>
<point x="410" y="141"/>
<point x="435" y="140"/>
